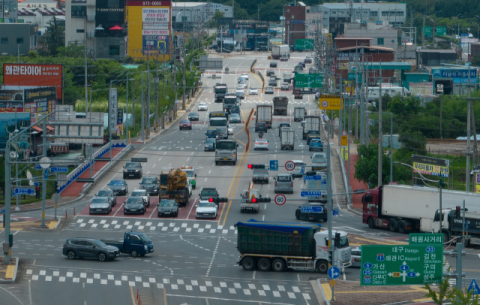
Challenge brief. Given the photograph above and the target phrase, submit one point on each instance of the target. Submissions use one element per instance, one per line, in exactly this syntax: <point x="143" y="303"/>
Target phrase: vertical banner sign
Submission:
<point x="431" y="166"/>
<point x="155" y="31"/>
<point x="477" y="182"/>
<point x="401" y="265"/>
<point x="113" y="108"/>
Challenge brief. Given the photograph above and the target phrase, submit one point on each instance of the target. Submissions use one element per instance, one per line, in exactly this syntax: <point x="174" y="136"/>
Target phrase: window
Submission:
<point x="4" y="39"/>
<point x="334" y="13"/>
<point x="308" y="11"/>
<point x="292" y="26"/>
<point x="115" y="50"/>
<point x="380" y="41"/>
<point x="393" y="41"/>
<point x="293" y="17"/>
<point x="79" y="11"/>
<point x="400" y="13"/>
<point x="19" y="40"/>
<point x="373" y="14"/>
<point x="236" y="31"/>
<point x="80" y="30"/>
<point x="385" y="13"/>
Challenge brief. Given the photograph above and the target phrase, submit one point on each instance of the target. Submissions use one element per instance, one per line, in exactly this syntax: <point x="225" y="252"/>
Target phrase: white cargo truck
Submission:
<point x="278" y="51"/>
<point x="298" y="114"/>
<point x="264" y="114"/>
<point x="287" y="137"/>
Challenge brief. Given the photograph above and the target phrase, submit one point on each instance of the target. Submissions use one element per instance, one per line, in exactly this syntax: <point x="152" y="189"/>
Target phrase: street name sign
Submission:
<point x="425" y="238"/>
<point x="401" y="265"/>
<point x="59" y="169"/>
<point x="312" y="209"/>
<point x="23" y="191"/>
<point x="311" y="194"/>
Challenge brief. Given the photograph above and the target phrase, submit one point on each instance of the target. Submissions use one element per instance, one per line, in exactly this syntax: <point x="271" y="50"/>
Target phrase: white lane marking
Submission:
<point x="209" y="171"/>
<point x="206" y="179"/>
<point x="188" y="216"/>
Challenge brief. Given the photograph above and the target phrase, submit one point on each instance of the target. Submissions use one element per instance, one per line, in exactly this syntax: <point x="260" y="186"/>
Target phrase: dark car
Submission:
<point x="185" y="125"/>
<point x="273" y="64"/>
<point x="132" y="170"/>
<point x="100" y="205"/>
<point x="270" y="73"/>
<point x="167" y="207"/>
<point x="213" y="47"/>
<point x="235" y="118"/>
<point x="134" y="205"/>
<point x="210" y="144"/>
<point x="308" y="60"/>
<point x="311" y="216"/>
<point x="261" y="127"/>
<point x="301" y="64"/>
<point x="193" y="116"/>
<point x="108" y="193"/>
<point x="150" y="184"/>
<point x="272" y="82"/>
<point x="144" y="194"/>
<point x="89" y="248"/>
<point x="119" y="187"/>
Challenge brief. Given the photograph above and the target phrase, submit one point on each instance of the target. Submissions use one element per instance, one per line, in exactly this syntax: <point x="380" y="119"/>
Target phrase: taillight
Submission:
<point x="292" y="183"/>
<point x="275" y="183"/>
<point x="256" y="143"/>
<point x="64" y="245"/>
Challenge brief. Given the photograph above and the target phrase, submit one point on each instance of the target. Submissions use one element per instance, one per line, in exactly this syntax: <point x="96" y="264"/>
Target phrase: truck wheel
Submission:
<point x="392" y="225"/>
<point x="278" y="265"/>
<point x="71" y="255"/>
<point x="402" y="226"/>
<point x="371" y="222"/>
<point x="446" y="236"/>
<point x="133" y="253"/>
<point x="264" y="264"/>
<point x="322" y="266"/>
<point x="248" y="264"/>
<point x="297" y="214"/>
<point x="216" y="163"/>
<point x="102" y="257"/>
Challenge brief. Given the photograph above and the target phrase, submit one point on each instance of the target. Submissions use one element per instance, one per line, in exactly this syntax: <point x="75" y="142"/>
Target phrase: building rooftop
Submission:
<point x="367" y="47"/>
<point x="436" y="51"/>
<point x="359" y="5"/>
<point x="194" y="4"/>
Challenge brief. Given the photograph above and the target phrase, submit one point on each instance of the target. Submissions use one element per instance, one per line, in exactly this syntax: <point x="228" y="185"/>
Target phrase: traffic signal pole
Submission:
<point x="330" y="207"/>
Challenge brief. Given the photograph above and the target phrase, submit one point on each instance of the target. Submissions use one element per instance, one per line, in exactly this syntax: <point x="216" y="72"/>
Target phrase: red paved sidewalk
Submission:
<point x="356" y="184"/>
<point x="75" y="187"/>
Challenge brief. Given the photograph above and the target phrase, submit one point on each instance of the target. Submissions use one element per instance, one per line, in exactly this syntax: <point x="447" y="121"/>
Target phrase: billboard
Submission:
<point x="149" y="29"/>
<point x="430" y="166"/>
<point x="441" y="31"/>
<point x="330" y="102"/>
<point x="113" y="109"/>
<point x="109" y="13"/>
<point x="308" y="80"/>
<point x="421" y="88"/>
<point x="7" y="125"/>
<point x="34" y="75"/>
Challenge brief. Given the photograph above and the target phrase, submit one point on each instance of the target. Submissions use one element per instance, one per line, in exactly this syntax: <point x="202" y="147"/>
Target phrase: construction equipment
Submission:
<point x="174" y="185"/>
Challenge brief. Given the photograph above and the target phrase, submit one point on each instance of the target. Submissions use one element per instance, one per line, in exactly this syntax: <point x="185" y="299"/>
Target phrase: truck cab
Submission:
<point x="343" y="252"/>
<point x="133" y="243"/>
<point x="191" y="176"/>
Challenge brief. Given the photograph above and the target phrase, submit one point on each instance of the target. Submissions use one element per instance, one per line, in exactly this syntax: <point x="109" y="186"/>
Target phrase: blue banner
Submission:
<point x="454" y="73"/>
<point x="154" y="44"/>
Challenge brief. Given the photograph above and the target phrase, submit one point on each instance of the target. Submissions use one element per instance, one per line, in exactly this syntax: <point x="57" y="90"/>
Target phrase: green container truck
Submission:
<point x="280" y="246"/>
<point x="304" y="44"/>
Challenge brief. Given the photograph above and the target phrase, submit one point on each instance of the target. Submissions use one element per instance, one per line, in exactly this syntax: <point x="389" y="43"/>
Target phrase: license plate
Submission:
<point x="131" y="175"/>
<point x="99" y="210"/>
<point x="225" y="158"/>
<point x="358" y="260"/>
<point x="166" y="212"/>
<point x="133" y="209"/>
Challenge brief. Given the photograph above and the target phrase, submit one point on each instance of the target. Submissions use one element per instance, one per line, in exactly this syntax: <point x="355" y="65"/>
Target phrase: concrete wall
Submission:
<point x="10" y="32"/>
<point x="102" y="47"/>
<point x="390" y="36"/>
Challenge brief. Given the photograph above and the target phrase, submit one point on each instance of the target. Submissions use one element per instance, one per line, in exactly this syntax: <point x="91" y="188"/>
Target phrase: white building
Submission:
<point x="382" y="36"/>
<point x="313" y="21"/>
<point x="80" y="23"/>
<point x="194" y="13"/>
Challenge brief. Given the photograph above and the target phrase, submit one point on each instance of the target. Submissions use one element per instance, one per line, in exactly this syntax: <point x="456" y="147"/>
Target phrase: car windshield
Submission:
<point x="319" y="159"/>
<point x="284" y="178"/>
<point x="134" y="200"/>
<point x="253" y="89"/>
<point x="210" y="141"/>
<point x="202" y="104"/>
<point x="189" y="173"/>
<point x="343" y="242"/>
<point x="131" y="164"/>
<point x="144" y="237"/>
<point x="208" y="193"/>
<point x="149" y="180"/>
<point x="117" y="182"/>
<point x="235" y="116"/>
<point x="167" y="203"/>
<point x="139" y="193"/>
<point x="226" y="145"/>
<point x="104" y="193"/>
<point x="100" y="200"/>
<point x="204" y="204"/>
<point x="185" y="122"/>
<point x="260" y="141"/>
<point x="218" y="122"/>
<point x="269" y="88"/>
<point x="193" y="114"/>
<point x="99" y="243"/>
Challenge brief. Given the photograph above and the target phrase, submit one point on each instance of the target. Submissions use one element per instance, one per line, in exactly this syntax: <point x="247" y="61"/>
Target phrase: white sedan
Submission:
<point x="202" y="107"/>
<point x="260" y="144"/>
<point x="241" y="86"/>
<point x="206" y="209"/>
<point x="253" y="91"/>
<point x="244" y="75"/>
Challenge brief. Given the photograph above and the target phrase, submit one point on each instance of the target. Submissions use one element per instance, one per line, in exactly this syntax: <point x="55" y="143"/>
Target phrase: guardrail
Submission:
<point x="251" y="67"/>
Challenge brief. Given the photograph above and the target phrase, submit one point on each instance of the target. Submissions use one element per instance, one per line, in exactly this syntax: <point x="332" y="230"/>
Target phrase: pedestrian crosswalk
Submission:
<point x="172" y="284"/>
<point x="151" y="225"/>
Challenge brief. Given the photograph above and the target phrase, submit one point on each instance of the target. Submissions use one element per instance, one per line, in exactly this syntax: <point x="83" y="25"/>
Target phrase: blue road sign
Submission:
<point x="36" y="183"/>
<point x="474" y="286"/>
<point x="45" y="173"/>
<point x="311" y="193"/>
<point x="59" y="169"/>
<point x="24" y="191"/>
<point x="333" y="272"/>
<point x="335" y="212"/>
<point x="316" y="177"/>
<point x="274" y="165"/>
<point x="302" y="171"/>
<point x="312" y="209"/>
<point x="37" y="167"/>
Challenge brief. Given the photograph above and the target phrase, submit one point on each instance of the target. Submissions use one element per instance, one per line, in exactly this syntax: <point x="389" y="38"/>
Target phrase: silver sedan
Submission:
<point x="260" y="144"/>
<point x="253" y="91"/>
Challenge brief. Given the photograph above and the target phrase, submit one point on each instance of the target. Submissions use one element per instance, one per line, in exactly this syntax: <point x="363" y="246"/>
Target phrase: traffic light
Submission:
<point x="252" y="166"/>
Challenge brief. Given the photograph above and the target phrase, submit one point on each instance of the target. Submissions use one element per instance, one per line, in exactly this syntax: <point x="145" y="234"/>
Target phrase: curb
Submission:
<point x="325" y="301"/>
<point x="58" y="223"/>
<point x="14" y="274"/>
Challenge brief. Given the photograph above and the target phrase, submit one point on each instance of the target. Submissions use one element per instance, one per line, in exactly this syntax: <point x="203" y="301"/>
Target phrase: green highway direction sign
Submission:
<point x="308" y="80"/>
<point x="351" y="76"/>
<point x="441" y="31"/>
<point x="401" y="265"/>
<point x="428" y="30"/>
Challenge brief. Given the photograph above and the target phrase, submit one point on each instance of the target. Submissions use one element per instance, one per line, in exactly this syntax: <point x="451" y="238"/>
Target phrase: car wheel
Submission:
<point x="71" y="255"/>
<point x="298" y="214"/>
<point x="133" y="253"/>
<point x="322" y="266"/>
<point x="102" y="257"/>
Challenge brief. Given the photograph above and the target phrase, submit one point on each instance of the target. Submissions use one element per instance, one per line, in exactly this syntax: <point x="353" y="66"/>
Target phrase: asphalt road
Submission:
<point x="194" y="260"/>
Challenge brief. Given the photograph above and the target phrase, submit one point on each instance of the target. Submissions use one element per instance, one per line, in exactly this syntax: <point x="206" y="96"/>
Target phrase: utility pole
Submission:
<point x="330" y="206"/>
<point x="143" y="115"/>
<point x="380" y="142"/>
<point x="164" y="79"/>
<point x="469" y="101"/>
<point x="156" y="94"/>
<point x="133" y="103"/>
<point x="184" y="45"/>
<point x="44" y="170"/>
<point x="423" y="33"/>
<point x="148" y="95"/>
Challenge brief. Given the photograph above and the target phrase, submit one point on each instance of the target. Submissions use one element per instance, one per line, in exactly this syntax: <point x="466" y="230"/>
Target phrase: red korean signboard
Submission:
<point x="34" y="75"/>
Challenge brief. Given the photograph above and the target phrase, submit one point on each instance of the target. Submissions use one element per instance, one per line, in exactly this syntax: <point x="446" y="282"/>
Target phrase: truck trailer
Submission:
<point x="281" y="246"/>
<point x="287" y="138"/>
<point x="280" y="50"/>
<point x="310" y="123"/>
<point x="264" y="114"/>
<point x="280" y="104"/>
<point x="299" y="114"/>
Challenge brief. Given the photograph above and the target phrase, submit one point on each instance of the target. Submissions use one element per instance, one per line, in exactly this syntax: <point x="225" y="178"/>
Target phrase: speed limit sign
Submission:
<point x="290" y="166"/>
<point x="280" y="199"/>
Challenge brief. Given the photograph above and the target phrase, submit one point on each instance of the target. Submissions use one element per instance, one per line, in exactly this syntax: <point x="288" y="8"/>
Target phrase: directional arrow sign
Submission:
<point x="333" y="272"/>
<point x="474" y="286"/>
<point x="312" y="209"/>
<point x="335" y="212"/>
<point x="274" y="165"/>
<point x="311" y="194"/>
<point x="59" y="169"/>
<point x="23" y="191"/>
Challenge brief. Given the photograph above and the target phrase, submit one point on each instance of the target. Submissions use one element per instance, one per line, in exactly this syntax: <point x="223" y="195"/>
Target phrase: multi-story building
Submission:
<point x="191" y="14"/>
<point x="17" y="38"/>
<point x="335" y="15"/>
<point x="9" y="10"/>
<point x="251" y="34"/>
<point x="80" y="23"/>
<point x="294" y="23"/>
<point x="313" y="21"/>
<point x="382" y="36"/>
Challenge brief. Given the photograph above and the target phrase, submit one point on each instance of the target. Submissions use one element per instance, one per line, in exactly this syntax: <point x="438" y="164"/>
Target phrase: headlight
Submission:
<point x="146" y="248"/>
<point x="125" y="171"/>
<point x="136" y="170"/>
<point x="123" y="189"/>
<point x="234" y="155"/>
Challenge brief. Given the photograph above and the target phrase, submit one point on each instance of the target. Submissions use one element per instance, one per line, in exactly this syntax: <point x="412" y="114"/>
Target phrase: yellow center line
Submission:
<point x="238" y="179"/>
<point x="133" y="296"/>
<point x="236" y="170"/>
<point x="165" y="296"/>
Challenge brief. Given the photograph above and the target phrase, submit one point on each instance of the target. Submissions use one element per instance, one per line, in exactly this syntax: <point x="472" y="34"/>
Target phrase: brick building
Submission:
<point x="294" y="23"/>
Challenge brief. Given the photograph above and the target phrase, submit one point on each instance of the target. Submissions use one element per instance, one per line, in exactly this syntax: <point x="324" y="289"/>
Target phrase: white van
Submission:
<point x="299" y="164"/>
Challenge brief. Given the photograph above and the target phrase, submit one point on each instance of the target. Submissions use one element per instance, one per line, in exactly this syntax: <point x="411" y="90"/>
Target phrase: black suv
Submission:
<point x="261" y="126"/>
<point x="132" y="169"/>
<point x="311" y="216"/>
<point x="273" y="64"/>
<point x="89" y="248"/>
